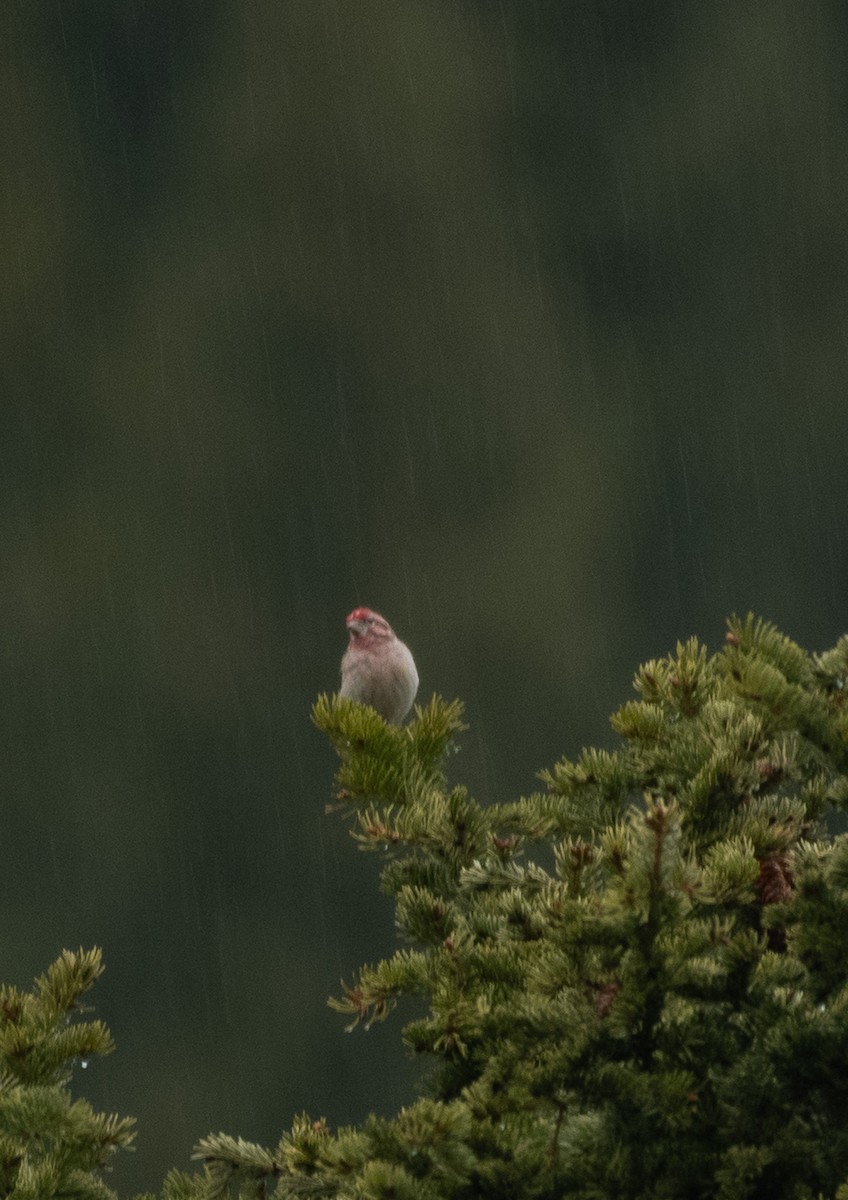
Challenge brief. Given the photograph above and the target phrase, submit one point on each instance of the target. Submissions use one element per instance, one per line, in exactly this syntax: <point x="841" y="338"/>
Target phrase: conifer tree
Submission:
<point x="659" y="1008"/>
<point x="635" y="982"/>
<point x="51" y="1145"/>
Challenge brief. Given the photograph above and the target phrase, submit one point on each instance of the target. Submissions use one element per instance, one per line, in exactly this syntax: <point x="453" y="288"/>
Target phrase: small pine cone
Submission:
<point x="776" y="881"/>
<point x="766" y="769"/>
<point x="605" y="997"/>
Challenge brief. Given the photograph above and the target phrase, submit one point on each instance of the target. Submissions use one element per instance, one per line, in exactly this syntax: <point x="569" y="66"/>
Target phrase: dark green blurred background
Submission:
<point x="523" y="321"/>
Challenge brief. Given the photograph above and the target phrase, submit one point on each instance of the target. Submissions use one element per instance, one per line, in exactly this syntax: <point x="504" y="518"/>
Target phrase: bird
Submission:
<point x="377" y="668"/>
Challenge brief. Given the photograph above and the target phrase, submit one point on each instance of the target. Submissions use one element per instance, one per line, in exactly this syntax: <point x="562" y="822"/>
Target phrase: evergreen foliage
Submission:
<point x="51" y="1145"/>
<point x="657" y="1008"/>
<point x="635" y="982"/>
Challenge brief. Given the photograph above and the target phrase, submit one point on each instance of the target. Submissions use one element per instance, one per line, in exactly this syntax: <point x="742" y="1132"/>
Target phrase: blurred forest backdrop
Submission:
<point x="523" y="321"/>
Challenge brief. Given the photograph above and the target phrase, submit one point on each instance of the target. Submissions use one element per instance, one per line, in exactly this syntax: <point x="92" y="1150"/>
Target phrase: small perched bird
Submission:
<point x="377" y="668"/>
